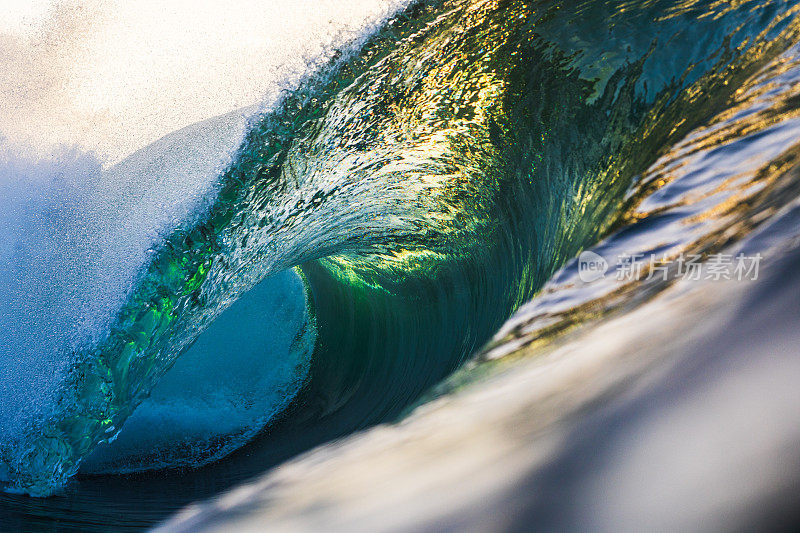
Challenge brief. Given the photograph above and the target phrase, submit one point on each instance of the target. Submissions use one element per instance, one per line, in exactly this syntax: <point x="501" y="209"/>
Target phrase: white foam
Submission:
<point x="105" y="79"/>
<point x="113" y="76"/>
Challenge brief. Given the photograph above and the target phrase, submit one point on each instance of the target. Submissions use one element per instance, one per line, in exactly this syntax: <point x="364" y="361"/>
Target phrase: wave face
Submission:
<point x="426" y="186"/>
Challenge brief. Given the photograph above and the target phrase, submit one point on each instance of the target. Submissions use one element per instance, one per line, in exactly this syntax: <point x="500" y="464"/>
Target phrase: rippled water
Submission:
<point x="434" y="189"/>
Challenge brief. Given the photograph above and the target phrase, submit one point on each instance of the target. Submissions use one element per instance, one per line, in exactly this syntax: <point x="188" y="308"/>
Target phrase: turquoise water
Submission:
<point x="426" y="188"/>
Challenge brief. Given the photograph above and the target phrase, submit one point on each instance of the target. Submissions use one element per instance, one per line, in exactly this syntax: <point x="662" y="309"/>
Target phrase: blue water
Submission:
<point x="237" y="376"/>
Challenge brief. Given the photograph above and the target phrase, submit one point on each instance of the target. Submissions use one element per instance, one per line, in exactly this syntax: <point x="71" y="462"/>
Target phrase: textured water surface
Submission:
<point x="405" y="222"/>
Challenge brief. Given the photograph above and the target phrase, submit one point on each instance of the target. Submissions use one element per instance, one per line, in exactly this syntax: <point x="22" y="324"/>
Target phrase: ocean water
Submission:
<point x="478" y="242"/>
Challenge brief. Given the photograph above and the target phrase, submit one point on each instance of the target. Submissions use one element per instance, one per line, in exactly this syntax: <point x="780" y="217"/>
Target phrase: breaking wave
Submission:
<point x="328" y="258"/>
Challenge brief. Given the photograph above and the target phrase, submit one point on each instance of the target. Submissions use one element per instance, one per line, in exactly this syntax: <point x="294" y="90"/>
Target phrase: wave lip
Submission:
<point x="73" y="368"/>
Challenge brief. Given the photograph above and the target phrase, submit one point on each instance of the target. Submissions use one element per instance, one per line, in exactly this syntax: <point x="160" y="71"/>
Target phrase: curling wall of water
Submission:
<point x="426" y="185"/>
<point x="84" y="206"/>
